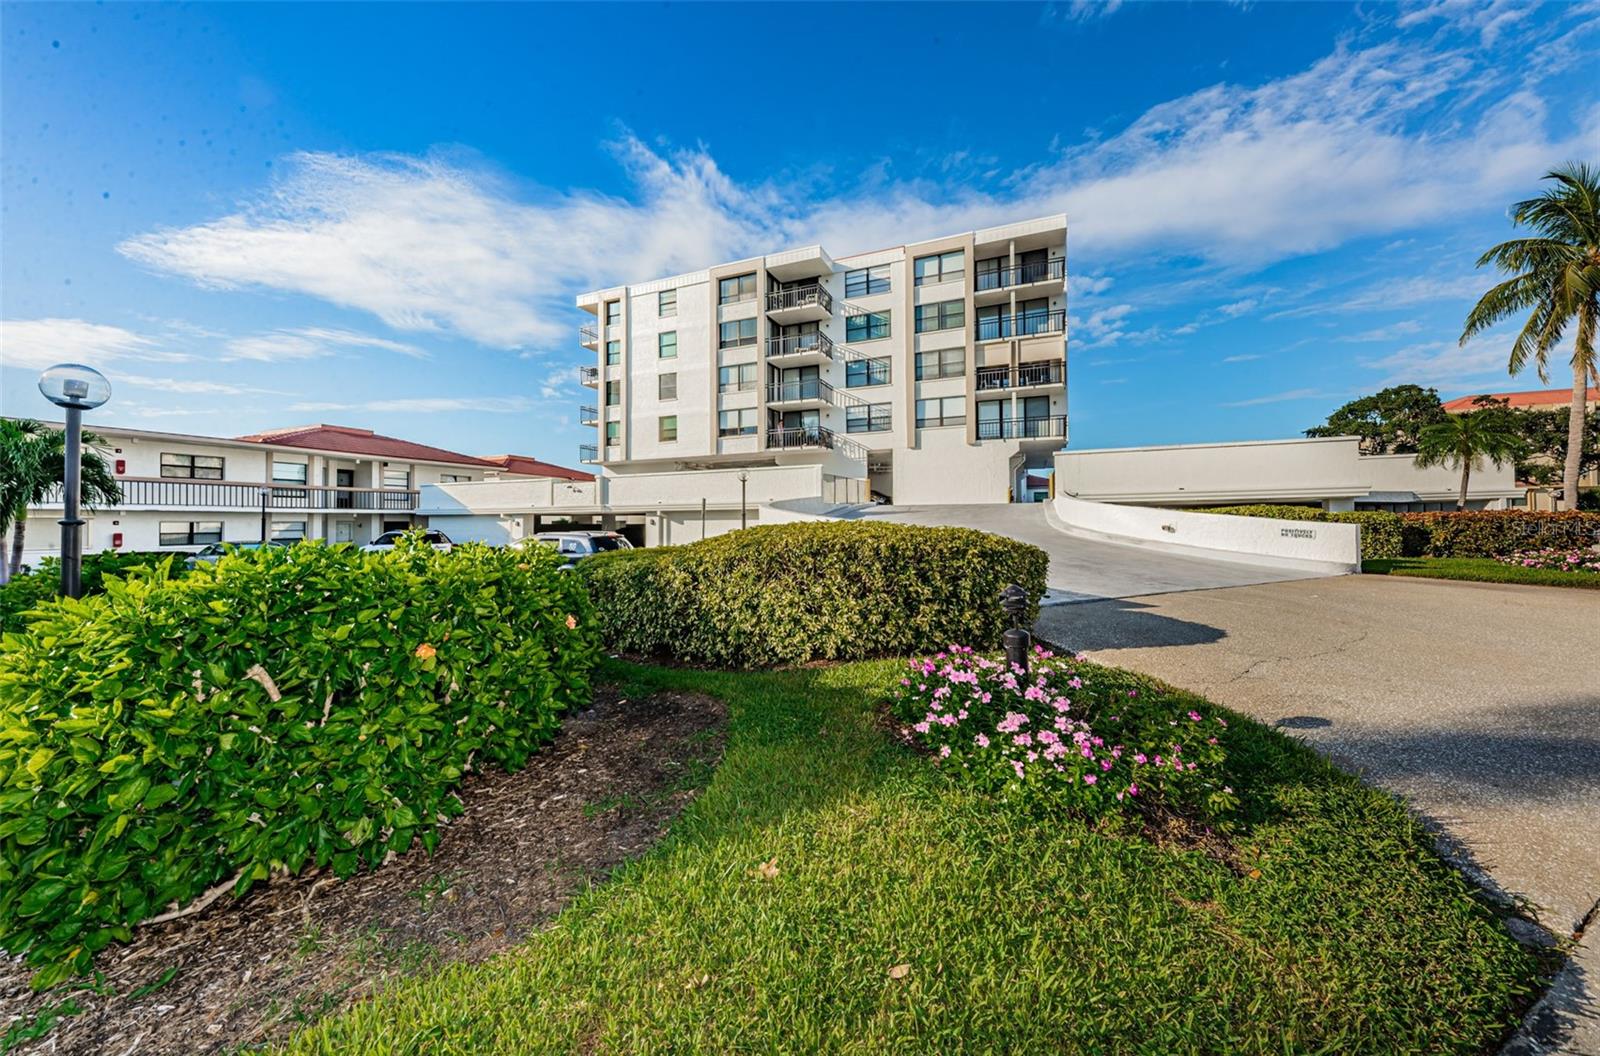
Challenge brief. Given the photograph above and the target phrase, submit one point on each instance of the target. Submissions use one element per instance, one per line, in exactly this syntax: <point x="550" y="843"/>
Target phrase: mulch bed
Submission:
<point x="249" y="972"/>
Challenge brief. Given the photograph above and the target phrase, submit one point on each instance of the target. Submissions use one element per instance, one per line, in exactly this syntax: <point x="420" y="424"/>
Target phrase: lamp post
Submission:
<point x="266" y="493"/>
<point x="744" y="487"/>
<point x="1017" y="640"/>
<point x="74" y="388"/>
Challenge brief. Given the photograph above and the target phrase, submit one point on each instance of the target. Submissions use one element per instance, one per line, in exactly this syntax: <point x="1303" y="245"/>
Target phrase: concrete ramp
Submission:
<point x="1083" y="569"/>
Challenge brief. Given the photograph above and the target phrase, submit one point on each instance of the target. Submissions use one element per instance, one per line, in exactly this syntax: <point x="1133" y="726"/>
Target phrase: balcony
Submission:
<point x="1037" y="374"/>
<point x="989" y="378"/>
<point x="168" y="493"/>
<point x="813" y="438"/>
<point x="801" y="349"/>
<point x="1052" y="271"/>
<point x="589" y="376"/>
<point x="588" y="416"/>
<point x="1043" y="427"/>
<point x="589" y="336"/>
<point x="1022" y="324"/>
<point x="800" y="304"/>
<point x="813" y="392"/>
<point x="588" y="454"/>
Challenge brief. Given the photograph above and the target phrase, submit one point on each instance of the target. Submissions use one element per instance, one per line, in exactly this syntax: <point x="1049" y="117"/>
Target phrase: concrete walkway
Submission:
<point x="1479" y="703"/>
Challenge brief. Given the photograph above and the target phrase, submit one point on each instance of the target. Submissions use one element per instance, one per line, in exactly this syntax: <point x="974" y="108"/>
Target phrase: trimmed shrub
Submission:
<point x="789" y="593"/>
<point x="27" y="591"/>
<point x="290" y="707"/>
<point x="1382" y="533"/>
<point x="1490" y="533"/>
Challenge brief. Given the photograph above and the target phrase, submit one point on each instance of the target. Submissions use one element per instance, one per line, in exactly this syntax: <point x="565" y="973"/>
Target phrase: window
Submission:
<point x="859" y="373"/>
<point x="867" y="281"/>
<point x="737" y="377"/>
<point x="989" y="273"/>
<point x="872" y="418"/>
<point x="667" y="344"/>
<point x="945" y="315"/>
<point x="396" y="477"/>
<point x="950" y="410"/>
<point x="737" y="333"/>
<point x="195" y="467"/>
<point x="454" y="478"/>
<point x="613" y="394"/>
<point x="667" y="387"/>
<point x="613" y="353"/>
<point x="737" y="423"/>
<point x="289" y="473"/>
<point x="945" y="363"/>
<point x="667" y="428"/>
<point x="737" y="288"/>
<point x="613" y="313"/>
<point x="289" y="531"/>
<point x="941" y="267"/>
<point x="868" y="327"/>
<point x="613" y="434"/>
<point x="190" y="533"/>
<point x="667" y="303"/>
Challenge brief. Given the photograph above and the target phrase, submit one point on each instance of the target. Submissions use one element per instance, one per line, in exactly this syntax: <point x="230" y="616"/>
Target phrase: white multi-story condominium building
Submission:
<point x="933" y="372"/>
<point x="181" y="492"/>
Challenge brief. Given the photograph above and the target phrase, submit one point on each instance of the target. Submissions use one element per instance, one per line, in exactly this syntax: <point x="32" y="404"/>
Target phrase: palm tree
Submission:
<point x="33" y="462"/>
<point x="1466" y="440"/>
<point x="1555" y="278"/>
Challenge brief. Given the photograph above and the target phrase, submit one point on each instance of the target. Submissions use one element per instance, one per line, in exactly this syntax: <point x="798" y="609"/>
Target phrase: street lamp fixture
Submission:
<point x="74" y="388"/>
<point x="744" y="487"/>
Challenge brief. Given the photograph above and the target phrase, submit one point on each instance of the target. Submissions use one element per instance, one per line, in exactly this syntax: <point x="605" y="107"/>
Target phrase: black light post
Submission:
<point x="266" y="493"/>
<point x="744" y="487"/>
<point x="1018" y="642"/>
<point x="74" y="388"/>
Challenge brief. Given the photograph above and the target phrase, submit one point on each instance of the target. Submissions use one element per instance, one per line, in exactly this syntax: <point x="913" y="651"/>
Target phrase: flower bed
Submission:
<point x="1555" y="559"/>
<point x="1077" y="732"/>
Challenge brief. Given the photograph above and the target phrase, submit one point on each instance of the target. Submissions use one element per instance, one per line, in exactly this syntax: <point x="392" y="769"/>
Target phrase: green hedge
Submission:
<point x="144" y="757"/>
<point x="26" y="591"/>
<point x="1491" y="533"/>
<point x="791" y="593"/>
<point x="1382" y="534"/>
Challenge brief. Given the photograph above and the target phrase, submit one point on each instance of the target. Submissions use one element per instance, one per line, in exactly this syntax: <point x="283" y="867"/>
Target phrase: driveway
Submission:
<point x="1479" y="703"/>
<point x="1083" y="568"/>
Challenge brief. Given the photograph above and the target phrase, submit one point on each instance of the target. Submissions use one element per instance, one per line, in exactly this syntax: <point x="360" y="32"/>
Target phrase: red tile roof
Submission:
<point x="346" y="440"/>
<point x="527" y="466"/>
<point x="1535" y="398"/>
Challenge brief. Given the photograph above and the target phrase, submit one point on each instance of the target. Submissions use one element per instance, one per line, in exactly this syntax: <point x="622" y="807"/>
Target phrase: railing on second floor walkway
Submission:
<point x="176" y="493"/>
<point x="1042" y="427"/>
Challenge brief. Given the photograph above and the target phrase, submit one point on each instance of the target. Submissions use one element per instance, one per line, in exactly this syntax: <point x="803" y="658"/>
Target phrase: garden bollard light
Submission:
<point x="1018" y="642"/>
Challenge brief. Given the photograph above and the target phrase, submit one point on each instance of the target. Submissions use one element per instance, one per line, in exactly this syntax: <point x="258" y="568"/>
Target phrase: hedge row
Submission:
<point x="283" y="708"/>
<point x="26" y="591"/>
<point x="1492" y="533"/>
<point x="1382" y="534"/>
<point x="796" y="592"/>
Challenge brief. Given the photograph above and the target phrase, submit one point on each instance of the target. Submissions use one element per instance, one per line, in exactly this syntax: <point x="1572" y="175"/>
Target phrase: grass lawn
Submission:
<point x="1336" y="930"/>
<point x="1480" y="569"/>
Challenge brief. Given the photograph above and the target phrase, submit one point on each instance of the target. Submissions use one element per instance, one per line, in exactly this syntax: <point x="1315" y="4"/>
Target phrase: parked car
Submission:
<point x="212" y="553"/>
<point x="575" y="546"/>
<point x="438" y="540"/>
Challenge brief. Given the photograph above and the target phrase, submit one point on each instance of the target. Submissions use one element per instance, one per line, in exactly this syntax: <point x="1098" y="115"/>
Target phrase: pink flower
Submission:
<point x="944" y="751"/>
<point x="1139" y="757"/>
<point x="1089" y="779"/>
<point x="983" y="742"/>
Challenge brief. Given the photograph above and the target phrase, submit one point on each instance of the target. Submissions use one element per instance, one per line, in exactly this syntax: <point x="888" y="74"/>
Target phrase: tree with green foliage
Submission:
<point x="1555" y="280"/>
<point x="1544" y="441"/>
<point x="33" y="463"/>
<point x="1388" y="422"/>
<point x="1466" y="440"/>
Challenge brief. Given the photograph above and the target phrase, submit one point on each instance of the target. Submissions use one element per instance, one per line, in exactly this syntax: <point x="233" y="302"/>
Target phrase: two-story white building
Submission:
<point x="933" y="372"/>
<point x="182" y="491"/>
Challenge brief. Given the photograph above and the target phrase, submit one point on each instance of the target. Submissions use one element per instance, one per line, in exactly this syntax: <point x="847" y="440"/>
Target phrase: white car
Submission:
<point x="575" y="546"/>
<point x="438" y="540"/>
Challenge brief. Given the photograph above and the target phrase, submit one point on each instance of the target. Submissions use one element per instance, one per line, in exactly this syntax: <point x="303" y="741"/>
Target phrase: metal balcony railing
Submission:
<point x="589" y="376"/>
<point x="588" y="335"/>
<point x="789" y="438"/>
<point x="1048" y="372"/>
<point x="1044" y="427"/>
<point x="800" y="297"/>
<point x="588" y="416"/>
<point x="794" y="391"/>
<point x="172" y="493"/>
<point x="588" y="453"/>
<point x="799" y="344"/>
<point x="987" y="378"/>
<point x="1022" y="324"/>
<point x="1022" y="274"/>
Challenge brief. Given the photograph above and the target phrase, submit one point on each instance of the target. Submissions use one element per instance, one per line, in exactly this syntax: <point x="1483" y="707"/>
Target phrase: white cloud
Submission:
<point x="310" y="343"/>
<point x="1280" y="397"/>
<point x="427" y="405"/>
<point x="40" y="343"/>
<point x="1244" y="357"/>
<point x="1446" y="365"/>
<point x="1386" y="333"/>
<point x="1236" y="176"/>
<point x="1237" y="308"/>
<point x="194" y="386"/>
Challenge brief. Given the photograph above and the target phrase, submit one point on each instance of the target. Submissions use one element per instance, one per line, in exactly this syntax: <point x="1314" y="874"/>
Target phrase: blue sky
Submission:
<point x="254" y="216"/>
